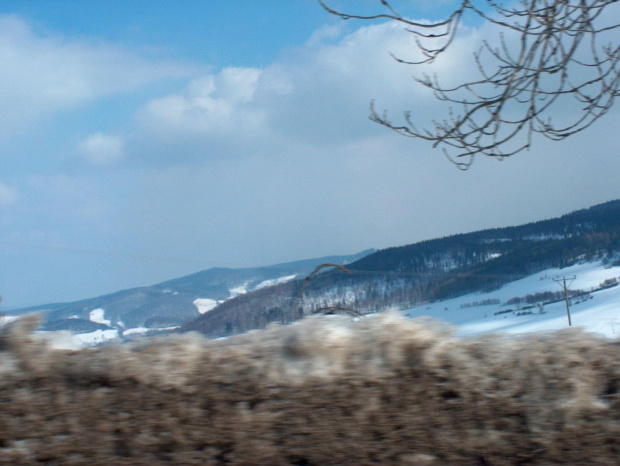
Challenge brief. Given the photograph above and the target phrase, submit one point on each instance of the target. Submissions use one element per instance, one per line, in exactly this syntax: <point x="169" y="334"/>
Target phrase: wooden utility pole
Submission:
<point x="563" y="285"/>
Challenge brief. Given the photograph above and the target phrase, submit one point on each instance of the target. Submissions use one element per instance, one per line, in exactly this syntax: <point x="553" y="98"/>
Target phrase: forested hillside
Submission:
<point x="428" y="271"/>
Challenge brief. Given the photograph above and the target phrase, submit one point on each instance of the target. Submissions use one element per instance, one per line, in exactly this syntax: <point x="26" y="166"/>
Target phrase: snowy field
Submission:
<point x="597" y="311"/>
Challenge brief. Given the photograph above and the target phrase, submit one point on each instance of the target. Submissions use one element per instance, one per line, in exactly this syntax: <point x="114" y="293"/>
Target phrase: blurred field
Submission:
<point x="326" y="390"/>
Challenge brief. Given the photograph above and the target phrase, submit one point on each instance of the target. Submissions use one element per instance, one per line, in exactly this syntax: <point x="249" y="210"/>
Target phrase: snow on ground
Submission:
<point x="63" y="339"/>
<point x="599" y="312"/>
<point x="205" y="304"/>
<point x="143" y="330"/>
<point x="275" y="281"/>
<point x="96" y="337"/>
<point x="242" y="289"/>
<point x="135" y="331"/>
<point x="98" y="316"/>
<point x="234" y="292"/>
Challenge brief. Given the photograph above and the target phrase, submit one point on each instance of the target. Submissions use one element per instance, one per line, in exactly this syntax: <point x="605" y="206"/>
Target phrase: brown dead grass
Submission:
<point x="326" y="390"/>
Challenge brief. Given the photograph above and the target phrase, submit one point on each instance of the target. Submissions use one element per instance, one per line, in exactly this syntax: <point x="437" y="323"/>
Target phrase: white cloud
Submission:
<point x="42" y="73"/>
<point x="212" y="105"/>
<point x="325" y="33"/>
<point x="101" y="149"/>
<point x="7" y="195"/>
<point x="317" y="94"/>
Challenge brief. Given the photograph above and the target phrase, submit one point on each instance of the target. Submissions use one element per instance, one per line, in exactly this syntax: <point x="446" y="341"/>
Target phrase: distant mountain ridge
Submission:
<point x="408" y="276"/>
<point x="173" y="302"/>
<point x="224" y="301"/>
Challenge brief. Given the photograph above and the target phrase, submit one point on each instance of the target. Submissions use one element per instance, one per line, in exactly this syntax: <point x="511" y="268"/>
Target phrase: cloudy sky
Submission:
<point x="141" y="141"/>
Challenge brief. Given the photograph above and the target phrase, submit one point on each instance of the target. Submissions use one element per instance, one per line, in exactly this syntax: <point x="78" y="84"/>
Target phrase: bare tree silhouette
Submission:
<point x="548" y="50"/>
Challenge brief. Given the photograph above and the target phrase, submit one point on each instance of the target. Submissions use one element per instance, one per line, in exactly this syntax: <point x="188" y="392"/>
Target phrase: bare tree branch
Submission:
<point x="523" y="84"/>
<point x="311" y="275"/>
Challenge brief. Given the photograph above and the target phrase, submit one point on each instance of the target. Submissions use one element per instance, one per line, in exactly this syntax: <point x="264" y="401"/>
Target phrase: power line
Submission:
<point x="563" y="280"/>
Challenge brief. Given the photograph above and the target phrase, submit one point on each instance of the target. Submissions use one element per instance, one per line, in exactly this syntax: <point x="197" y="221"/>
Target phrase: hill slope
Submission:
<point x="536" y="303"/>
<point x="428" y="271"/>
<point x="171" y="303"/>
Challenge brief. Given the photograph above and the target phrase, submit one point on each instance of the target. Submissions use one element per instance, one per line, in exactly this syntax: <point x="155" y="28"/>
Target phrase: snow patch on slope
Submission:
<point x="275" y="281"/>
<point x="234" y="292"/>
<point x="205" y="304"/>
<point x="144" y="330"/>
<point x="98" y="316"/>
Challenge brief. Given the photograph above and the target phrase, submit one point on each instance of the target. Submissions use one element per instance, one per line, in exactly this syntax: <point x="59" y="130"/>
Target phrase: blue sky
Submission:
<point x="144" y="140"/>
<point x="231" y="33"/>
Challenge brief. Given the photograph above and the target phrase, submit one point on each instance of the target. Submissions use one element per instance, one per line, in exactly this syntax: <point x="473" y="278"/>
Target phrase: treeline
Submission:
<point x="484" y="302"/>
<point x="544" y="297"/>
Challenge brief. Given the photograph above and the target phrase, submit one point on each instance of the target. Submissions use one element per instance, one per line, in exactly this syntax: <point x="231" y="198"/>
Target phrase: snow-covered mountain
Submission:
<point x="168" y="305"/>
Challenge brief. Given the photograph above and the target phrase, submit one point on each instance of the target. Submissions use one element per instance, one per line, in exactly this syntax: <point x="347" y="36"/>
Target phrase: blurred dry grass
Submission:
<point x="325" y="390"/>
